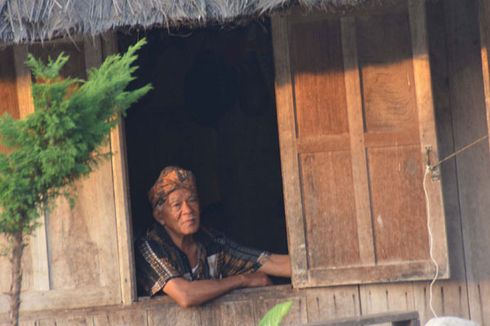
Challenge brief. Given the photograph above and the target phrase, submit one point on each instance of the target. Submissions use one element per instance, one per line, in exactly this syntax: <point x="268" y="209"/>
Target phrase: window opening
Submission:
<point x="212" y="111"/>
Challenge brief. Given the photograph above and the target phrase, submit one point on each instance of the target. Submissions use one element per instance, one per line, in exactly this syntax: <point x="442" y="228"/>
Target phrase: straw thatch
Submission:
<point x="30" y="20"/>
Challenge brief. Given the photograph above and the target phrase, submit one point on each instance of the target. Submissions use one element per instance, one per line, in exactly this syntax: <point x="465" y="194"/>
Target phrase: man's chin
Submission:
<point x="191" y="229"/>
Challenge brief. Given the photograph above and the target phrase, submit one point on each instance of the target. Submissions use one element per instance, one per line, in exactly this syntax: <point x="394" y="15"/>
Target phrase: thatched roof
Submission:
<point x="30" y="20"/>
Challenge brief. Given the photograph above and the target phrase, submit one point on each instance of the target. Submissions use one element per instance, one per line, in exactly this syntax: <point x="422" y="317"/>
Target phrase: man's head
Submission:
<point x="174" y="201"/>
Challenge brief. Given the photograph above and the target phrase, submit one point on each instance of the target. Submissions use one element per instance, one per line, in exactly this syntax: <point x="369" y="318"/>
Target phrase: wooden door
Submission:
<point x="355" y="117"/>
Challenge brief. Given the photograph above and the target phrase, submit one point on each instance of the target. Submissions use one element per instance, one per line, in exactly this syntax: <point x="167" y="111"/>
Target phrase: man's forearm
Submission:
<point x="277" y="265"/>
<point x="188" y="294"/>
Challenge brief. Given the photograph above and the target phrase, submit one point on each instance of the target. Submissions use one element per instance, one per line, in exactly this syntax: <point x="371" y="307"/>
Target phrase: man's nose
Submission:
<point x="186" y="208"/>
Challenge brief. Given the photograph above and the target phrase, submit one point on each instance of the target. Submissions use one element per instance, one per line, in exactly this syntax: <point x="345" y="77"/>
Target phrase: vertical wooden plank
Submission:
<point x="171" y="314"/>
<point x="427" y="130"/>
<point x="329" y="208"/>
<point x="381" y="298"/>
<point x="237" y="313"/>
<point x="469" y="123"/>
<point x="484" y="48"/>
<point x="356" y="131"/>
<point x="8" y="104"/>
<point x="128" y="317"/>
<point x="296" y="316"/>
<point x="450" y="297"/>
<point x="332" y="302"/>
<point x="289" y="156"/>
<point x="121" y="196"/>
<point x="37" y="242"/>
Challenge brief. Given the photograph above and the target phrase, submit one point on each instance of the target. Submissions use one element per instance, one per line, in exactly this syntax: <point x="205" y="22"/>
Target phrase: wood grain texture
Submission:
<point x="332" y="303"/>
<point x="398" y="204"/>
<point x="318" y="78"/>
<point x="484" y="52"/>
<point x="296" y="316"/>
<point x="469" y="122"/>
<point x="450" y="296"/>
<point x="38" y="242"/>
<point x="387" y="74"/>
<point x="121" y="196"/>
<point x="8" y="87"/>
<point x="427" y="130"/>
<point x="127" y="317"/>
<point x="81" y="250"/>
<point x="329" y="207"/>
<point x="289" y="157"/>
<point x="357" y="141"/>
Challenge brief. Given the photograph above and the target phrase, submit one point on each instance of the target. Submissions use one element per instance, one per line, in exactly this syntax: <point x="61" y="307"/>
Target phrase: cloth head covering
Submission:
<point x="171" y="178"/>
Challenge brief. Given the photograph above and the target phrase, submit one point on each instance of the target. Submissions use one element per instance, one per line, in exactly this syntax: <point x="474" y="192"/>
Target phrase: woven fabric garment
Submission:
<point x="159" y="260"/>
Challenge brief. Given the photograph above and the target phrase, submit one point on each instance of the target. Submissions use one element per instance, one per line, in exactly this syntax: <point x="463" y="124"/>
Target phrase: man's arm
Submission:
<point x="188" y="294"/>
<point x="276" y="265"/>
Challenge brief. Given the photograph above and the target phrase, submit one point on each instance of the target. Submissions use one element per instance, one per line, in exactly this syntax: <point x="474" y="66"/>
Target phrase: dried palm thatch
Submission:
<point x="31" y="20"/>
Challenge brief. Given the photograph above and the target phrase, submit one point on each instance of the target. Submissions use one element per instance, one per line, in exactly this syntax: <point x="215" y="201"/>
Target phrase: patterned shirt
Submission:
<point x="159" y="260"/>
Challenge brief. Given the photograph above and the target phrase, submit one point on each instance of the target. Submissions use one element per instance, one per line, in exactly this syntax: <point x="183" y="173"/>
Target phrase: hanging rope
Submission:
<point x="432" y="167"/>
<point x="431" y="239"/>
<point x="428" y="170"/>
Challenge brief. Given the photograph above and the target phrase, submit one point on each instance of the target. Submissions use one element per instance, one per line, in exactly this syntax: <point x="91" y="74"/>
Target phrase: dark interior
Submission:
<point x="212" y="111"/>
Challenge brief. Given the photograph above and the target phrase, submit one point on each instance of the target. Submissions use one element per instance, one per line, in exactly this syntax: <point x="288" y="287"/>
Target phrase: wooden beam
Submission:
<point x="121" y="197"/>
<point x="427" y="129"/>
<point x="357" y="146"/>
<point x="38" y="242"/>
<point x="485" y="44"/>
<point x="289" y="156"/>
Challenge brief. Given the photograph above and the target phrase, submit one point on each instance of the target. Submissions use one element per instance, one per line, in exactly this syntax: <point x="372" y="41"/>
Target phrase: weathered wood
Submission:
<point x="297" y="314"/>
<point x="380" y="298"/>
<point x="318" y="78"/>
<point x="63" y="299"/>
<point x="387" y="74"/>
<point x="37" y="243"/>
<point x="357" y="145"/>
<point x="121" y="197"/>
<point x="469" y="123"/>
<point x="450" y="297"/>
<point x="484" y="20"/>
<point x="425" y="107"/>
<point x="228" y="312"/>
<point x="329" y="207"/>
<point x="398" y="206"/>
<point x="396" y="318"/>
<point x="323" y="143"/>
<point x="127" y="317"/>
<point x="289" y="157"/>
<point x="332" y="303"/>
<point x="387" y="139"/>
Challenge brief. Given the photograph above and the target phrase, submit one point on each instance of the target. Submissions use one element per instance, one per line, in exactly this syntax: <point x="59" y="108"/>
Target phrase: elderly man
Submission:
<point x="187" y="262"/>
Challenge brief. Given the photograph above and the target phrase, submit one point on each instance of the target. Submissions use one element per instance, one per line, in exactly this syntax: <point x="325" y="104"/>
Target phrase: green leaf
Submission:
<point x="275" y="315"/>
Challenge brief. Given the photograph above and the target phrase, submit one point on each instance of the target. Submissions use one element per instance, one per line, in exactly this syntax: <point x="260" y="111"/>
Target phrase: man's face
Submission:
<point x="179" y="213"/>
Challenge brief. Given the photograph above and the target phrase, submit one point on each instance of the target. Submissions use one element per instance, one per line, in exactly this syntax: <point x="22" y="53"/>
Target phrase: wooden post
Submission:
<point x="485" y="43"/>
<point x="121" y="197"/>
<point x="38" y="243"/>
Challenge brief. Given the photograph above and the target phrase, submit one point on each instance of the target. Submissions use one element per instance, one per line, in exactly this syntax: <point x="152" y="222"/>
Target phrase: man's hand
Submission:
<point x="252" y="280"/>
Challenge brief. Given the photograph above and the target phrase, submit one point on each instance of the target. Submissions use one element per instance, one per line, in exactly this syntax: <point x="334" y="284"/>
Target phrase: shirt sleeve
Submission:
<point x="155" y="268"/>
<point x="238" y="259"/>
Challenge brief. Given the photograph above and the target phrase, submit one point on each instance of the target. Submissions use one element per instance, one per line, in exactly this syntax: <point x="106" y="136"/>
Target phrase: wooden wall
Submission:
<point x="72" y="260"/>
<point x="460" y="111"/>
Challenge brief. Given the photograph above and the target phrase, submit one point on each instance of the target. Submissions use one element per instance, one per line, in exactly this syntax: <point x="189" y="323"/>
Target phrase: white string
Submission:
<point x="428" y="172"/>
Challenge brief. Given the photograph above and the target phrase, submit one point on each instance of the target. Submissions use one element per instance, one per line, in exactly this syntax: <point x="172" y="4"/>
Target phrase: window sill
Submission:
<point x="265" y="292"/>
